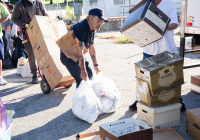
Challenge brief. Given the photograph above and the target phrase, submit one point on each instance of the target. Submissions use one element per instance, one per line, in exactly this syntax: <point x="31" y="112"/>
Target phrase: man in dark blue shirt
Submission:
<point x="84" y="32"/>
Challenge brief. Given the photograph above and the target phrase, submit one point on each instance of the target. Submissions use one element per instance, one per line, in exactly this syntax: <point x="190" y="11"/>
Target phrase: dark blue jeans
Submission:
<point x="74" y="68"/>
<point x="145" y="55"/>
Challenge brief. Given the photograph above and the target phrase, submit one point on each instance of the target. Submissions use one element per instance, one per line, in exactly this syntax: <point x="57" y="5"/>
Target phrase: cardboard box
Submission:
<point x="53" y="70"/>
<point x="195" y="84"/>
<point x="145" y="24"/>
<point x="126" y="129"/>
<point x="44" y="27"/>
<point x="158" y="134"/>
<point x="193" y="118"/>
<point x="162" y="72"/>
<point x="43" y="34"/>
<point x="159" y="117"/>
<point x="166" y="97"/>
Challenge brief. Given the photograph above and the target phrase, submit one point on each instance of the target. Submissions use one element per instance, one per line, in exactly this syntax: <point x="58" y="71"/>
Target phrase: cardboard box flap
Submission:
<point x="67" y="44"/>
<point x="159" y="109"/>
<point x="159" y="60"/>
<point x="166" y="134"/>
<point x="165" y="91"/>
<point x="193" y="115"/>
<point x="130" y="125"/>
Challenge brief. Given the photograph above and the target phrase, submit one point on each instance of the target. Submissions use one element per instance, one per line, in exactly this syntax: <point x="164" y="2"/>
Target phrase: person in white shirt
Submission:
<point x="167" y="42"/>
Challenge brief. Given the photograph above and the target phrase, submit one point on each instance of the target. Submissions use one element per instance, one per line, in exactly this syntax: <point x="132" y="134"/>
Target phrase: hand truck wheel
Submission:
<point x="46" y="89"/>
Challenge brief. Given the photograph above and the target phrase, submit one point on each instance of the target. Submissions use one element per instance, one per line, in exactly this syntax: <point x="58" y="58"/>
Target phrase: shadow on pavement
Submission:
<point x="14" y="89"/>
<point x="191" y="100"/>
<point x="62" y="126"/>
<point x="33" y="104"/>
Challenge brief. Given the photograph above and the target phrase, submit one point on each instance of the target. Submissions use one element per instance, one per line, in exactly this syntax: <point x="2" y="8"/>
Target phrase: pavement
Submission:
<point x="49" y="116"/>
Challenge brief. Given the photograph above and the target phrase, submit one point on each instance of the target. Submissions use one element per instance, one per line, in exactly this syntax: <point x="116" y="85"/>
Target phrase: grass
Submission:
<point x="121" y="40"/>
<point x="106" y="37"/>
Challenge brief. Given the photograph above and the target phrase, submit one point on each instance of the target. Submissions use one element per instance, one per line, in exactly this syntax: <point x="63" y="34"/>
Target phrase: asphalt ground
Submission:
<point x="50" y="117"/>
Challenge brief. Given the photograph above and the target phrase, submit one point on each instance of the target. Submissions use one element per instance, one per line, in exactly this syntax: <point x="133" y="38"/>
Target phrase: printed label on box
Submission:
<point x="167" y="76"/>
<point x="155" y="19"/>
<point x="141" y="89"/>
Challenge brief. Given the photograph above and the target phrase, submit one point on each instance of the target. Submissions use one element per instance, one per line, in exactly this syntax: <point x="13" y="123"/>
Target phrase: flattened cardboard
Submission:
<point x="126" y="129"/>
<point x="195" y="84"/>
<point x="169" y="96"/>
<point x="145" y="24"/>
<point x="162" y="72"/>
<point x="68" y="46"/>
<point x="193" y="118"/>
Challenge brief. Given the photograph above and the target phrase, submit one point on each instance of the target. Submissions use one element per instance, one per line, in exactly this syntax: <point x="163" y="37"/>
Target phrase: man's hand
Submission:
<point x="96" y="69"/>
<point x="84" y="75"/>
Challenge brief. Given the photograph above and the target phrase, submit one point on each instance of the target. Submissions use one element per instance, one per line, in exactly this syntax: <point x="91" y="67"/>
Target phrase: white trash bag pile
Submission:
<point x="95" y="97"/>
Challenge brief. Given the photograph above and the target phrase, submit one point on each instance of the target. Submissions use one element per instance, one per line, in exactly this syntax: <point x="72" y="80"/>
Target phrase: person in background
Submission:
<point x="166" y="44"/>
<point x="84" y="32"/>
<point x="10" y="30"/>
<point x="22" y="14"/>
<point x="4" y="15"/>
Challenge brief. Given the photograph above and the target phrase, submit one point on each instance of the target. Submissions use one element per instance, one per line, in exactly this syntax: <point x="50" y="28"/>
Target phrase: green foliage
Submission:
<point x="123" y="39"/>
<point x="69" y="13"/>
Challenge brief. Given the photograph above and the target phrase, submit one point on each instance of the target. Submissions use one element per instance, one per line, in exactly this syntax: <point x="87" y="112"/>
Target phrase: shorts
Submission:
<point x="1" y="49"/>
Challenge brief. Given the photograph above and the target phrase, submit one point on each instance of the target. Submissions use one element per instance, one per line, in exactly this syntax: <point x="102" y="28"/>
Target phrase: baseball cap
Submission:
<point x="97" y="12"/>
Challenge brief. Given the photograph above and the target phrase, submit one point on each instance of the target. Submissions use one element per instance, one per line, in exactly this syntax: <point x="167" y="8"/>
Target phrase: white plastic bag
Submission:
<point x="107" y="92"/>
<point x="85" y="104"/>
<point x="23" y="67"/>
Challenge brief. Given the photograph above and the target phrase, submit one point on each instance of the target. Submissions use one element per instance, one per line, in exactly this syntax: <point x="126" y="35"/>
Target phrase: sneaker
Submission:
<point x="35" y="79"/>
<point x="2" y="81"/>
<point x="133" y="107"/>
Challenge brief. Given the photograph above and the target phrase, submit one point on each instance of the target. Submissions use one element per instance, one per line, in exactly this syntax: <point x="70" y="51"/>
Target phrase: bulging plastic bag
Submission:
<point x="107" y="92"/>
<point x="85" y="104"/>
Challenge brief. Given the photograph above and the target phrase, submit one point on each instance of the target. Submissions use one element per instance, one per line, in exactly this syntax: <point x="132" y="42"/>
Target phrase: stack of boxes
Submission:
<point x="158" y="83"/>
<point x="43" y="34"/>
